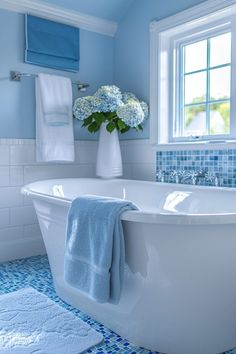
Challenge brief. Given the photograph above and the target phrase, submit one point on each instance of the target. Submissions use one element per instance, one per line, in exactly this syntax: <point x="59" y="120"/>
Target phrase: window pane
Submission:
<point x="195" y="120"/>
<point x="195" y="56"/>
<point x="195" y="88"/>
<point x="220" y="49"/>
<point x="220" y="83"/>
<point x="219" y="118"/>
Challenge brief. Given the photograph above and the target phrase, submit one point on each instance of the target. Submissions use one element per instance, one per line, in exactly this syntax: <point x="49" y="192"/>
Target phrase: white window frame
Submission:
<point x="165" y="35"/>
<point x="177" y="45"/>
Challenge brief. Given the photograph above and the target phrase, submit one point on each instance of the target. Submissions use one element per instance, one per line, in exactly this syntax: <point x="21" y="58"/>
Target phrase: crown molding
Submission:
<point x="203" y="9"/>
<point x="61" y="14"/>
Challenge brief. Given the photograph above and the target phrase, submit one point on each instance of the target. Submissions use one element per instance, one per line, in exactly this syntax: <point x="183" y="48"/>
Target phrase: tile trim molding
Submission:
<point x="60" y="14"/>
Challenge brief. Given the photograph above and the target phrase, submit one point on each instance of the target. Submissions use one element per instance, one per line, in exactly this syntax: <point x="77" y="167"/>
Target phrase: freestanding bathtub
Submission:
<point x="179" y="292"/>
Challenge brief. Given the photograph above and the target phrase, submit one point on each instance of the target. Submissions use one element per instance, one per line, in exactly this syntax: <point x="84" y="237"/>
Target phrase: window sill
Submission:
<point x="196" y="145"/>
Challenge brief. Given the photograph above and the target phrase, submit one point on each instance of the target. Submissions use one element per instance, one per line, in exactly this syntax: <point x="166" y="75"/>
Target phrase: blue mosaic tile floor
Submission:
<point x="35" y="272"/>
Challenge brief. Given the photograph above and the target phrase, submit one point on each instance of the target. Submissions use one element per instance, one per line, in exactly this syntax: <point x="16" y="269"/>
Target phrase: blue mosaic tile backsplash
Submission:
<point x="201" y="167"/>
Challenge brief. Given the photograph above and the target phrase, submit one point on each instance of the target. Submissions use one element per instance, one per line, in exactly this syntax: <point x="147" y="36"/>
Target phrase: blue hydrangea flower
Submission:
<point x="83" y="107"/>
<point x="144" y="107"/>
<point x="131" y="113"/>
<point x="110" y="98"/>
<point x="97" y="105"/>
<point x="127" y="96"/>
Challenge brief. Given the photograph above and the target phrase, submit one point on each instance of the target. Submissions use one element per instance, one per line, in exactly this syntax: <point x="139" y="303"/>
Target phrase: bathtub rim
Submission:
<point x="142" y="216"/>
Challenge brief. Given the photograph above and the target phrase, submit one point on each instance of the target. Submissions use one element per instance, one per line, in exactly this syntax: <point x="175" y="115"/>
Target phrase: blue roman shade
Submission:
<point x="51" y="44"/>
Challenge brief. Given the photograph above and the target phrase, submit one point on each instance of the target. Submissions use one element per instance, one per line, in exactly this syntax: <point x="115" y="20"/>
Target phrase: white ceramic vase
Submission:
<point x="109" y="161"/>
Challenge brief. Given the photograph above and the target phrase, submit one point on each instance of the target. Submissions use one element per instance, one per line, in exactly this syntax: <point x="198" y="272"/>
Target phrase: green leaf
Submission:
<point x="110" y="127"/>
<point x="99" y="118"/>
<point x="140" y="127"/>
<point x="93" y="127"/>
<point x="121" y="124"/>
<point x="126" y="129"/>
<point x="87" y="121"/>
<point x="110" y="116"/>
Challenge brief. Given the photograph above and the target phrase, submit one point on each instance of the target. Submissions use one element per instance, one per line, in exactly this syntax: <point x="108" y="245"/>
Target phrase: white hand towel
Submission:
<point x="54" y="122"/>
<point x="56" y="98"/>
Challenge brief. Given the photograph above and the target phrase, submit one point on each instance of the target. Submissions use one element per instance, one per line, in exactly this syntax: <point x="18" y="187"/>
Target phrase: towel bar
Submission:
<point x="16" y="76"/>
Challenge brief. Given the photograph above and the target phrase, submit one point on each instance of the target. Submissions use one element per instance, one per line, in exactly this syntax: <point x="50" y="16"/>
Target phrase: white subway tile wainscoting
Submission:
<point x="18" y="167"/>
<point x="20" y="235"/>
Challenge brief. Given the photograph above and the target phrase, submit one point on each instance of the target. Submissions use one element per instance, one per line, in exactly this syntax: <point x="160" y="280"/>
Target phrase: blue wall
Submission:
<point x="123" y="60"/>
<point x="132" y="47"/>
<point x="109" y="9"/>
<point x="17" y="100"/>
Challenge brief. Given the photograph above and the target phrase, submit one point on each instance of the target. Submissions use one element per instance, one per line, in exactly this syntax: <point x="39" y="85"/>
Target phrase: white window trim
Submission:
<point x="221" y="27"/>
<point x="161" y="34"/>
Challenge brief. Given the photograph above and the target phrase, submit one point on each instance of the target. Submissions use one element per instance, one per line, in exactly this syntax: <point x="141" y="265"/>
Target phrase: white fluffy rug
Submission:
<point x="31" y="323"/>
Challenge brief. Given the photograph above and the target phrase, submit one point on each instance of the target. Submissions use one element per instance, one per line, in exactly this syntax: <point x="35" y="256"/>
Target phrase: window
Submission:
<point x="193" y="93"/>
<point x="204" y="88"/>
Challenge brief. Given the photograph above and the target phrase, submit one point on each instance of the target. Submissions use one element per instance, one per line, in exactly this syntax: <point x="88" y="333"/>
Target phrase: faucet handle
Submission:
<point x="174" y="175"/>
<point x="190" y="176"/>
<point x="160" y="176"/>
<point x="201" y="173"/>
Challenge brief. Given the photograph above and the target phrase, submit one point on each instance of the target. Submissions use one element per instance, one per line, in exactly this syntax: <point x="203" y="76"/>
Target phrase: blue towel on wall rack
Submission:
<point x="51" y="44"/>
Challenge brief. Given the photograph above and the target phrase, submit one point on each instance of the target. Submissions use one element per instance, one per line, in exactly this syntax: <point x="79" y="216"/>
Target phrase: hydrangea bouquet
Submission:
<point x="108" y="105"/>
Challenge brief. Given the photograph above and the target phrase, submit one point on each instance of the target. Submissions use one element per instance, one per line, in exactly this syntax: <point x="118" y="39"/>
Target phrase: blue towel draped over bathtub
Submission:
<point x="95" y="255"/>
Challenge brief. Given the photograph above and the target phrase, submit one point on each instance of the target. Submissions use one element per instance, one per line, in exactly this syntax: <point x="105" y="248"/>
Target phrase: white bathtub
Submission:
<point x="179" y="293"/>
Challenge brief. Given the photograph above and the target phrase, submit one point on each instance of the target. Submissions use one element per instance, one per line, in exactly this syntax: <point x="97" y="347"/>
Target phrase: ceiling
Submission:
<point x="108" y="9"/>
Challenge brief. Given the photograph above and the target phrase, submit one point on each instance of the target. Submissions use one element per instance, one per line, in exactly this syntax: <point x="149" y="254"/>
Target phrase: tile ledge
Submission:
<point x="12" y="141"/>
<point x="15" y="141"/>
<point x="200" y="145"/>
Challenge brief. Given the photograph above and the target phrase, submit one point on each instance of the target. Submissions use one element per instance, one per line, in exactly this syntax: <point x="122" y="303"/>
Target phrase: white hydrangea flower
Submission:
<point x="131" y="113"/>
<point x="127" y="96"/>
<point x="83" y="107"/>
<point x="110" y="98"/>
<point x="145" y="109"/>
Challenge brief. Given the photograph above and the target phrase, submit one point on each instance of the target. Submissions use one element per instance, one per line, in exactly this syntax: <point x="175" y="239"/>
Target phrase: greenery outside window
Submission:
<point x="204" y="84"/>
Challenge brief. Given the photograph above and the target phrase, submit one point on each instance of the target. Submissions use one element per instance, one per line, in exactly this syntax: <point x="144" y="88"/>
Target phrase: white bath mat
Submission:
<point x="31" y="323"/>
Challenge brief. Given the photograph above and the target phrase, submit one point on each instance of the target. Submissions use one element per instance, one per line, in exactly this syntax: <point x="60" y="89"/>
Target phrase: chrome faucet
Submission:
<point x="175" y="175"/>
<point x="190" y="176"/>
<point x="213" y="178"/>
